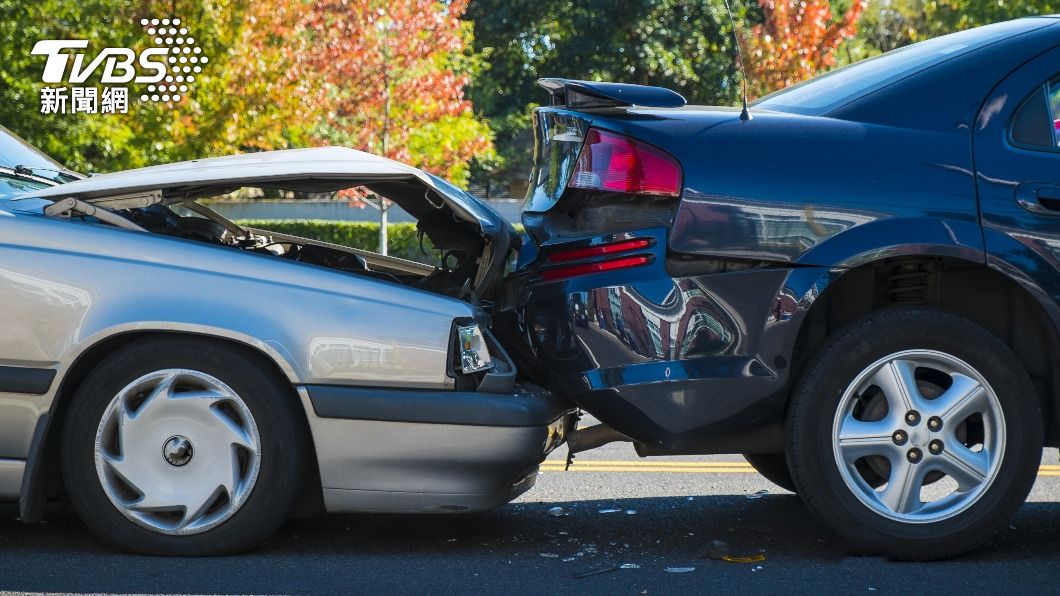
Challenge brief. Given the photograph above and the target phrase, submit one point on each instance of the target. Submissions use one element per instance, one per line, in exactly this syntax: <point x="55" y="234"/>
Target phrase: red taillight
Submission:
<point x="613" y="162"/>
<point x="587" y="268"/>
<point x="597" y="251"/>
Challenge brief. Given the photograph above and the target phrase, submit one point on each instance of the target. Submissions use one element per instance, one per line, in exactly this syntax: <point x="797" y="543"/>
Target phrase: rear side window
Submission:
<point x="1054" y="111"/>
<point x="1036" y="124"/>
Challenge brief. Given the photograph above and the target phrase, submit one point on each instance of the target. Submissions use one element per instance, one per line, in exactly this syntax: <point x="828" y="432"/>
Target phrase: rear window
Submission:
<point x="827" y="92"/>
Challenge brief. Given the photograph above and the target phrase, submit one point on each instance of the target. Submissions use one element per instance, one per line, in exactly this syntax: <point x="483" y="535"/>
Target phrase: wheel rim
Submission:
<point x="919" y="436"/>
<point x="177" y="451"/>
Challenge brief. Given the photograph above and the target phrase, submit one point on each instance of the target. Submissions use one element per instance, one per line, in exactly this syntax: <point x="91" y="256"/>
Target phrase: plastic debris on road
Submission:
<point x="759" y="494"/>
<point x="610" y="510"/>
<point x="679" y="569"/>
<point x="631" y="511"/>
<point x="596" y="571"/>
<point x="758" y="558"/>
<point x="717" y="550"/>
<point x="557" y="512"/>
<point x="629" y="566"/>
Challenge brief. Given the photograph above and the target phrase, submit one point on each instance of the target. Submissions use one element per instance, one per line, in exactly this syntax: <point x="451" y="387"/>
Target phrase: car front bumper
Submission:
<point x="390" y="450"/>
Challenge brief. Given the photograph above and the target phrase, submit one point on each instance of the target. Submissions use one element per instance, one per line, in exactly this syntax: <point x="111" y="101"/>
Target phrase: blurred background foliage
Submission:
<point x="403" y="239"/>
<point x="446" y="85"/>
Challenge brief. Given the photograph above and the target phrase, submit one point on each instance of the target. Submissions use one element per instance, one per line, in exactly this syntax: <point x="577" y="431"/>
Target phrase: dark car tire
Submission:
<point x="774" y="467"/>
<point x="257" y="502"/>
<point x="912" y="335"/>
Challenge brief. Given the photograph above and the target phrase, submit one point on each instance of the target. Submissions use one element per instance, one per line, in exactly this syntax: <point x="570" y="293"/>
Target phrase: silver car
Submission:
<point x="191" y="384"/>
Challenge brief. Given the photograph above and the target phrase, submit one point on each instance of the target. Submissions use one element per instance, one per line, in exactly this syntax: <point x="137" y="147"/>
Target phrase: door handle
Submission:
<point x="1043" y="199"/>
<point x="1051" y="194"/>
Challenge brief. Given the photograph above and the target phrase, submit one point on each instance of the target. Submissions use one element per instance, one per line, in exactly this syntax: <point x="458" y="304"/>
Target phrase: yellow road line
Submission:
<point x="653" y="464"/>
<point x="679" y="467"/>
<point x="655" y="470"/>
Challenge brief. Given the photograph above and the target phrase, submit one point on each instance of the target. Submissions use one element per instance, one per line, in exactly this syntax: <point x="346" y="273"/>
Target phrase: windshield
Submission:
<point x="13" y="186"/>
<point x="16" y="153"/>
<point x="827" y="92"/>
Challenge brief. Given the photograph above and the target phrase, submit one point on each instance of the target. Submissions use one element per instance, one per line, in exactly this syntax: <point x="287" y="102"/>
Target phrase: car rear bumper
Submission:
<point x="403" y="450"/>
<point x="677" y="357"/>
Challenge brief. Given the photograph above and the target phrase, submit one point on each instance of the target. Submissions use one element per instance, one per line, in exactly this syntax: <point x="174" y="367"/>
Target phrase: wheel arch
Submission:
<point x="967" y="288"/>
<point x="42" y="477"/>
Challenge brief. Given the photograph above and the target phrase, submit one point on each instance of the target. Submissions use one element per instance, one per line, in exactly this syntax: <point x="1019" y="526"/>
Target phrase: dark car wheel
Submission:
<point x="914" y="433"/>
<point x="774" y="467"/>
<point x="183" y="447"/>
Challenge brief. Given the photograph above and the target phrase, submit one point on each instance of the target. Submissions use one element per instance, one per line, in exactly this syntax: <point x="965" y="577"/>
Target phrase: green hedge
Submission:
<point x="403" y="239"/>
<point x="403" y="242"/>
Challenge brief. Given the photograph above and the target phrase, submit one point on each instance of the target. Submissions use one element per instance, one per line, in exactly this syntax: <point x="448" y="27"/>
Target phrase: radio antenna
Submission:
<point x="744" y="114"/>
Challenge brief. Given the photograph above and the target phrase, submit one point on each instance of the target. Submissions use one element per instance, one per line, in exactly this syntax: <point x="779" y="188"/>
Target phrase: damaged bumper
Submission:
<point x="431" y="451"/>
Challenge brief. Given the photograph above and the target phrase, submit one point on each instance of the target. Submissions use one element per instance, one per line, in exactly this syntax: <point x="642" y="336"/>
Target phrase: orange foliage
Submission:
<point x="797" y="41"/>
<point x="384" y="76"/>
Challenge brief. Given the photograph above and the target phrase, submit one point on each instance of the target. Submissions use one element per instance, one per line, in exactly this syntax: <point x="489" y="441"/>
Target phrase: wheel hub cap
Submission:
<point x="209" y="451"/>
<point x="918" y="436"/>
<point x="177" y="451"/>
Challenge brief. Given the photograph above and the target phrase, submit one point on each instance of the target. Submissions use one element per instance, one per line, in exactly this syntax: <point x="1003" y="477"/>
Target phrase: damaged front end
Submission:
<point x="472" y="241"/>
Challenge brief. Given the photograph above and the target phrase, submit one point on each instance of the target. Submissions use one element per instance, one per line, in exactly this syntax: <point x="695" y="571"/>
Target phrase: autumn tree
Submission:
<point x="796" y="40"/>
<point x="385" y="77"/>
<point x="890" y="24"/>
<point x="685" y="45"/>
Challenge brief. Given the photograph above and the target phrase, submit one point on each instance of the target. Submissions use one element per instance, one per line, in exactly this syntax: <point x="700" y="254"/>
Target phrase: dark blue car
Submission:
<point x="857" y="287"/>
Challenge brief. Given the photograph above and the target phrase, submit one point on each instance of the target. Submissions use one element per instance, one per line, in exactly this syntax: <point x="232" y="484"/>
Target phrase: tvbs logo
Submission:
<point x="167" y="67"/>
<point x="119" y="64"/>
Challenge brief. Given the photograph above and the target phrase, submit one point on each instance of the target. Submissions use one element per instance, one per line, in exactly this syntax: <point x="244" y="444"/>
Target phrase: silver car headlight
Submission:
<point x="474" y="355"/>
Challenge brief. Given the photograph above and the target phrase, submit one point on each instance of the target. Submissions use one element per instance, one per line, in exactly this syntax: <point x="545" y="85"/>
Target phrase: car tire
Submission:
<point x="183" y="447"/>
<point x="774" y="467"/>
<point x="851" y="447"/>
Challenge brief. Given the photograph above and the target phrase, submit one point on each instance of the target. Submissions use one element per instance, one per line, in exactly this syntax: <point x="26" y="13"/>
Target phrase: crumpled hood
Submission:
<point x="291" y="168"/>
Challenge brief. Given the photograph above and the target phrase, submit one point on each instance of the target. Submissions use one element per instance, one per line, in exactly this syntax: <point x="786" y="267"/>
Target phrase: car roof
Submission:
<point x="832" y="90"/>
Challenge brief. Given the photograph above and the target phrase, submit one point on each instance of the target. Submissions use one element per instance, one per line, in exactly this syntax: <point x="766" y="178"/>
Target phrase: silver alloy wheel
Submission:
<point x="177" y="451"/>
<point x="915" y="419"/>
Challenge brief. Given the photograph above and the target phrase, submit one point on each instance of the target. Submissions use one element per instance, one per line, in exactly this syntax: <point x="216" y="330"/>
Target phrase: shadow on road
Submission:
<point x="519" y="548"/>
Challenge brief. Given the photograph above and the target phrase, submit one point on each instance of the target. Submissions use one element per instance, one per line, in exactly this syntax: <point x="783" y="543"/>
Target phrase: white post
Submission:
<point x="384" y="205"/>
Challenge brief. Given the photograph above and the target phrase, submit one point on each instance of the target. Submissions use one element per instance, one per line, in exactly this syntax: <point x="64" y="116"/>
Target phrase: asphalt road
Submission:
<point x="669" y="511"/>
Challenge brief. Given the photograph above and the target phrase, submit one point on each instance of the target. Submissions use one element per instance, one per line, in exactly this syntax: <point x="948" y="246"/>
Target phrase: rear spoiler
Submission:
<point x="588" y="94"/>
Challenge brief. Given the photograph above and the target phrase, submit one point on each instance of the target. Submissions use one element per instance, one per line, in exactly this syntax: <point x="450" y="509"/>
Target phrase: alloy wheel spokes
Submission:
<point x="902" y="493"/>
<point x="968" y="468"/>
<point x="965" y="397"/>
<point x="858" y="439"/>
<point x="918" y="423"/>
<point x="896" y="380"/>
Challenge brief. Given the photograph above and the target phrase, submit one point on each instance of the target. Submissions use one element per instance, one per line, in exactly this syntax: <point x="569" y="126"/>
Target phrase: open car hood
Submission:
<point x="453" y="220"/>
<point x="317" y="169"/>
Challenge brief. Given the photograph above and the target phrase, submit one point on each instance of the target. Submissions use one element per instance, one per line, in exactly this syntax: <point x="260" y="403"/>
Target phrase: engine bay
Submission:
<point x="459" y="261"/>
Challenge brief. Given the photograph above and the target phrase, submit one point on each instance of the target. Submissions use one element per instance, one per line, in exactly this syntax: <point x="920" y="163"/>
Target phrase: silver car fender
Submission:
<point x="67" y="286"/>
